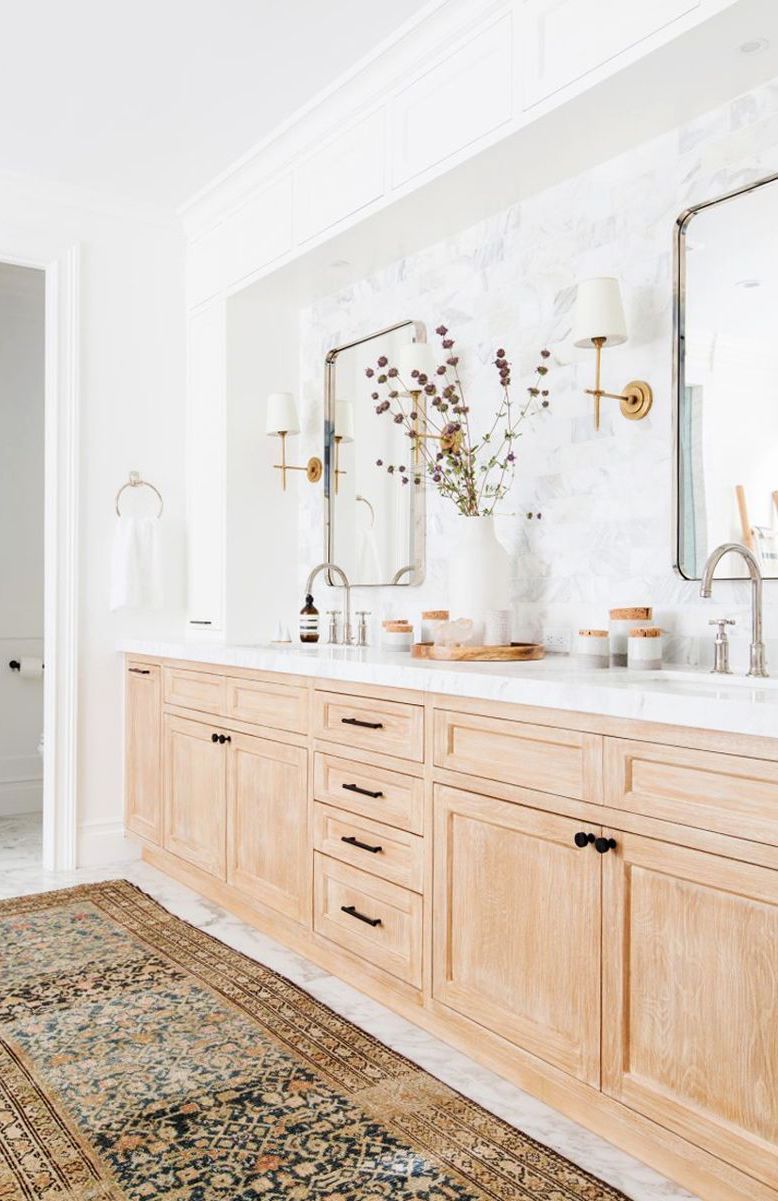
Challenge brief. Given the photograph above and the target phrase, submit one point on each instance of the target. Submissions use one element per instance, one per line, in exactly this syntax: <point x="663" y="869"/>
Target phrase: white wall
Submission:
<point x="22" y="299"/>
<point x="132" y="417"/>
<point x="605" y="538"/>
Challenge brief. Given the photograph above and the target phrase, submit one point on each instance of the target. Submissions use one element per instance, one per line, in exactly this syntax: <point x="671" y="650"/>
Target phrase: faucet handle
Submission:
<point x="721" y="622"/>
<point x="363" y="615"/>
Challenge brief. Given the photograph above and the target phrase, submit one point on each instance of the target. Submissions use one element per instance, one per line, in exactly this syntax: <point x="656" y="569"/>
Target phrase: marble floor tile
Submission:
<point x="21" y="872"/>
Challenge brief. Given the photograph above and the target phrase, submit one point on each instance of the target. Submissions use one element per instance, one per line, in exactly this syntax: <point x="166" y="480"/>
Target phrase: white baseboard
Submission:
<point x="101" y="843"/>
<point x="20" y="796"/>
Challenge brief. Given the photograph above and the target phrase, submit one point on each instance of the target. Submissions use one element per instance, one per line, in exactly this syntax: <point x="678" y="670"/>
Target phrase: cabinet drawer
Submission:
<point x="194" y="690"/>
<point x="389" y="727"/>
<point x="381" y="850"/>
<point x="546" y="758"/>
<point x="377" y="793"/>
<point x="724" y="793"/>
<point x="276" y="705"/>
<point x="378" y="921"/>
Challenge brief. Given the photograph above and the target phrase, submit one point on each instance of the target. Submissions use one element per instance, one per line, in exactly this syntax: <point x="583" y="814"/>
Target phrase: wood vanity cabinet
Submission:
<point x="143" y="750"/>
<point x="268" y="839"/>
<point x="195" y="794"/>
<point x="516" y="926"/>
<point x="690" y="981"/>
<point x="424" y="848"/>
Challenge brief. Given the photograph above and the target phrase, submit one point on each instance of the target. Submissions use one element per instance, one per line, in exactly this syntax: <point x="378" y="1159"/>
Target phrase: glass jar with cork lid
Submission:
<point x="622" y="621"/>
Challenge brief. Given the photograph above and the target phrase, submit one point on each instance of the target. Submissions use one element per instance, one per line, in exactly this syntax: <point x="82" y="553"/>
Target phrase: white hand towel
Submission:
<point x="136" y="569"/>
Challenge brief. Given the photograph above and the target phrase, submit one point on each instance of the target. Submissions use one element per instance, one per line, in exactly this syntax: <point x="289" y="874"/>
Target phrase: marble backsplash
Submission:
<point x="606" y="536"/>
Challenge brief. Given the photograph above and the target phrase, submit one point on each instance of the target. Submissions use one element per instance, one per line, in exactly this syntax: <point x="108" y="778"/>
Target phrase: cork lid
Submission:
<point x="398" y="626"/>
<point x="636" y="613"/>
<point x="646" y="632"/>
<point x="593" y="633"/>
<point x="435" y="615"/>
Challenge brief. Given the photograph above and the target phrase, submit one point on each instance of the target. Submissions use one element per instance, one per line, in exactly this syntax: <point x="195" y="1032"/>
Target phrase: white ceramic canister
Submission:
<point x="397" y="635"/>
<point x="592" y="648"/>
<point x="621" y="622"/>
<point x="644" y="649"/>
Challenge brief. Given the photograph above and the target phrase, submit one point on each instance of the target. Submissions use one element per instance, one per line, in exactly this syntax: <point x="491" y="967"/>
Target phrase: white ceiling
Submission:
<point x="150" y="100"/>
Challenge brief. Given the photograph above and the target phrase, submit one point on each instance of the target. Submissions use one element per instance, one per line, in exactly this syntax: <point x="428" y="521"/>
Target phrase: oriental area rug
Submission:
<point x="142" y="1059"/>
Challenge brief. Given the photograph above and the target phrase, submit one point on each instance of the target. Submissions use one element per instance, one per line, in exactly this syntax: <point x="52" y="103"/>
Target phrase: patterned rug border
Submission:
<point x="348" y="1031"/>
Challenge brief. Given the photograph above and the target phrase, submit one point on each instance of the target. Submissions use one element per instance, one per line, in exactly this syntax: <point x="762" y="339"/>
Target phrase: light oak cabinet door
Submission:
<point x="690" y="997"/>
<point x="195" y="794"/>
<point x="268" y="839"/>
<point x="143" y="751"/>
<point x="516" y="938"/>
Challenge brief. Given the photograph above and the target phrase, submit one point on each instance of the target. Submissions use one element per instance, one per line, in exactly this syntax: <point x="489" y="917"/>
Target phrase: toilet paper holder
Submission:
<point x="15" y="665"/>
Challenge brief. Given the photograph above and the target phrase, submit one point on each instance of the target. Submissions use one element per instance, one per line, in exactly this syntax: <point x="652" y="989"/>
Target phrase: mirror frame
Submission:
<point x="418" y="566"/>
<point x="679" y="357"/>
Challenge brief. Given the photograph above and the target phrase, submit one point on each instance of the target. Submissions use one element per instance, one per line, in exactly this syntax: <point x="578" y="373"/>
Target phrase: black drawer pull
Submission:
<point x="366" y="725"/>
<point x="363" y="846"/>
<point x="194" y="622"/>
<point x="582" y="839"/>
<point x="362" y="791"/>
<point x="214" y="737"/>
<point x="603" y="845"/>
<point x="140" y="671"/>
<point x="224" y="738"/>
<point x="352" y="911"/>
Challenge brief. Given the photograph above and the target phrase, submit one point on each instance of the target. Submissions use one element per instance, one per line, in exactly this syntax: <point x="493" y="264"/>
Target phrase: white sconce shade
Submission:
<point x="281" y="414"/>
<point x="599" y="313"/>
<point x="344" y="420"/>
<point x="415" y="356"/>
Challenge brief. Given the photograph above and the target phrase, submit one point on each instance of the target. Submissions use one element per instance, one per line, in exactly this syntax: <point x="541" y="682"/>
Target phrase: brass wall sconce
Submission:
<point x="282" y="423"/>
<point x="600" y="321"/>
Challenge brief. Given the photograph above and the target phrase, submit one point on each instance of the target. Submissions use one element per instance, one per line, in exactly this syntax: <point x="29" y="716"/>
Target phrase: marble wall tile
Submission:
<point x="605" y="536"/>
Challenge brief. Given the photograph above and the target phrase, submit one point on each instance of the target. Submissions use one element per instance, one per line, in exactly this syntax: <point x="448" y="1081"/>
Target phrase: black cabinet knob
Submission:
<point x="582" y="839"/>
<point x="224" y="738"/>
<point x="214" y="737"/>
<point x="604" y="844"/>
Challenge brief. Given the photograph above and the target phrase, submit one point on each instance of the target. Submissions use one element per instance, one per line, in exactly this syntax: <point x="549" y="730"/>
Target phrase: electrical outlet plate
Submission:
<point x="557" y="642"/>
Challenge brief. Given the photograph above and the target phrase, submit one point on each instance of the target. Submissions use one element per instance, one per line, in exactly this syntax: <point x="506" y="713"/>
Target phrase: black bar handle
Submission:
<point x="194" y="622"/>
<point x="362" y="791"/>
<point x="352" y="911"/>
<point x="363" y="846"/>
<point x="367" y="725"/>
<point x="140" y="671"/>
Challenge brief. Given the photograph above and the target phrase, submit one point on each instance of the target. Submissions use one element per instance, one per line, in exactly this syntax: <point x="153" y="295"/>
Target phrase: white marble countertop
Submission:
<point x="676" y="697"/>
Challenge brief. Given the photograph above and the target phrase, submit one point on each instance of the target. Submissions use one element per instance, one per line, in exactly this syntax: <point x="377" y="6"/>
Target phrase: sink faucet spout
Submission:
<point x="757" y="655"/>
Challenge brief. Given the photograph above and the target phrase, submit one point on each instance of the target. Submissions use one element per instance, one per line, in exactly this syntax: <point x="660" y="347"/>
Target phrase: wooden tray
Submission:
<point x="515" y="651"/>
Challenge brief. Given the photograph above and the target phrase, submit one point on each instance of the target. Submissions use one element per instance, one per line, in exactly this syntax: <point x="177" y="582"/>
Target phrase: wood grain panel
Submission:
<point x="201" y="690"/>
<point x="273" y="703"/>
<point x="516" y="917"/>
<point x="268" y="839"/>
<point x="387" y="727"/>
<point x="143" y="751"/>
<point x="545" y="758"/>
<point x="372" y="790"/>
<point x="195" y="772"/>
<point x="725" y="793"/>
<point x="690" y="994"/>
<point x="399" y="857"/>
<point x="394" y="943"/>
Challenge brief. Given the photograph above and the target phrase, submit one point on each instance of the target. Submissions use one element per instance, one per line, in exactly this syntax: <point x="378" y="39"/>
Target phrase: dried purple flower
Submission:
<point x="398" y="419"/>
<point x="392" y="372"/>
<point x="544" y="354"/>
<point x="379" y="462"/>
<point x="452" y="362"/>
<point x="510" y="457"/>
<point x="369" y="372"/>
<point x="441" y="329"/>
<point x="414" y="416"/>
<point x="382" y="361"/>
<point x="447" y="343"/>
<point x="374" y="396"/>
<point x="501" y="354"/>
<point x="441" y="370"/>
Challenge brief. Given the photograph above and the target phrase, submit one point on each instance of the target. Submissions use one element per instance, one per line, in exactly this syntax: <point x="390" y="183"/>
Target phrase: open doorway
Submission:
<point x="22" y="448"/>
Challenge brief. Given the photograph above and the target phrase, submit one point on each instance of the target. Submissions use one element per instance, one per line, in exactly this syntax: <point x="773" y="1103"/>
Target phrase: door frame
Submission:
<point x="61" y="267"/>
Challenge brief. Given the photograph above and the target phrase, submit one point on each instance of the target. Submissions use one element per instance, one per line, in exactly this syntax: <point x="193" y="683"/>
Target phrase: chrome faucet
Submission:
<point x="348" y="636"/>
<point x="757" y="660"/>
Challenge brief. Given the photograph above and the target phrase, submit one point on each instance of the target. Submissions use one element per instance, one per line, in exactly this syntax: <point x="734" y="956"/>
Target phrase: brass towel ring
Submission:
<point x="136" y="482"/>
